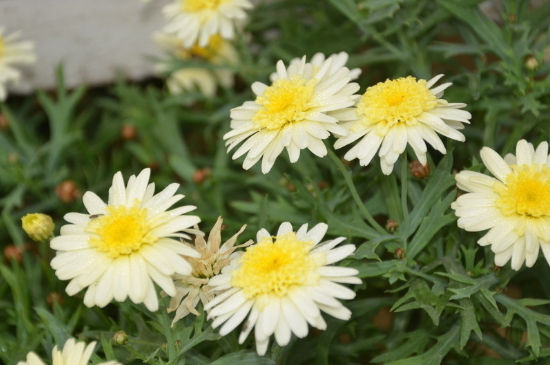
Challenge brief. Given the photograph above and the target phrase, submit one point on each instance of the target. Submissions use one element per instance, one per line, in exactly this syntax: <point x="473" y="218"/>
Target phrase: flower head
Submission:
<point x="120" y="248"/>
<point x="218" y="52"/>
<point x="195" y="21"/>
<point x="514" y="206"/>
<point x="283" y="283"/>
<point x="293" y="113"/>
<point x="13" y="53"/>
<point x="338" y="60"/>
<point x="38" y="226"/>
<point x="74" y="353"/>
<point x="214" y="257"/>
<point x="396" y="112"/>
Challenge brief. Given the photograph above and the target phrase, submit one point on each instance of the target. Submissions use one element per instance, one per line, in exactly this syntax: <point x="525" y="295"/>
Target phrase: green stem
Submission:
<point x="354" y="194"/>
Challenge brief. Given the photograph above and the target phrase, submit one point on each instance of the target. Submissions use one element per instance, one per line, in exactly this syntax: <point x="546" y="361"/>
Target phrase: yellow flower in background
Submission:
<point x="283" y="283"/>
<point x="514" y="205"/>
<point x="13" y="53"/>
<point x="38" y="226"/>
<point x="293" y="113"/>
<point x="74" y="353"/>
<point x="120" y="248"/>
<point x="190" y="289"/>
<point x="398" y="112"/>
<point x="195" y="21"/>
<point x="217" y="52"/>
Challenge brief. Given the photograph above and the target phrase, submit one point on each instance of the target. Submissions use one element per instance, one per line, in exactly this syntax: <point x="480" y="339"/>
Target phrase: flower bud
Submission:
<point x="38" y="226"/>
<point x="531" y="63"/>
<point x="392" y="225"/>
<point x="418" y="170"/>
<point x="128" y="132"/>
<point x="14" y="252"/>
<point x="4" y="122"/>
<point x="201" y="174"/>
<point x="399" y="254"/>
<point x="53" y="298"/>
<point x="120" y="338"/>
<point x="67" y="191"/>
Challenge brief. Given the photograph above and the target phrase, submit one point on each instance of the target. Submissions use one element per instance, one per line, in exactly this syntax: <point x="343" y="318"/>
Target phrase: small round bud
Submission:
<point x="67" y="191"/>
<point x="392" y="225"/>
<point x="322" y="185"/>
<point x="399" y="254"/>
<point x="201" y="174"/>
<point x="178" y="344"/>
<point x="291" y="187"/>
<point x="13" y="252"/>
<point x="120" y="338"/>
<point x="128" y="132"/>
<point x="4" y="122"/>
<point x="512" y="18"/>
<point x="53" y="298"/>
<point x="418" y="170"/>
<point x="38" y="226"/>
<point x="532" y="63"/>
<point x="344" y="338"/>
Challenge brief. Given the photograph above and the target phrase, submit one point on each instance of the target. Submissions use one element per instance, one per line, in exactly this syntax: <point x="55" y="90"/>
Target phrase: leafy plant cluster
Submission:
<point x="431" y="295"/>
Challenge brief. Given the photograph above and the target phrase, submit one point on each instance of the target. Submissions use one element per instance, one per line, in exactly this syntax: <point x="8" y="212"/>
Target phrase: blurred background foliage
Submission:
<point x="430" y="294"/>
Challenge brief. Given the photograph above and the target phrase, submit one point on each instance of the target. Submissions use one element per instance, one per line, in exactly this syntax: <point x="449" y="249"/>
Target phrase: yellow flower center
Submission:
<point x="286" y="101"/>
<point x="274" y="268"/>
<point x="526" y="191"/>
<point x="121" y="231"/>
<point x="395" y="101"/>
<point x="198" y="5"/>
<point x="207" y="53"/>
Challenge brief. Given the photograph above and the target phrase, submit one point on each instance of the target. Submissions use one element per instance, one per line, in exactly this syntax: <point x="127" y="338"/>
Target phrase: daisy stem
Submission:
<point x="354" y="194"/>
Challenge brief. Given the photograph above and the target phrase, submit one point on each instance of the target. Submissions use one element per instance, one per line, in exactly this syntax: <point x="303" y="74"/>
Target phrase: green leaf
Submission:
<point x="422" y="297"/>
<point x="243" y="358"/>
<point x="439" y="182"/>
<point x="368" y="249"/>
<point x="435" y="355"/>
<point x="431" y="225"/>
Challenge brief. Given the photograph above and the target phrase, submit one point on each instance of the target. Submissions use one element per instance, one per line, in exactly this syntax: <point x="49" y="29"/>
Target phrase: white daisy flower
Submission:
<point x="197" y="20"/>
<point x="396" y="112"/>
<point x="74" y="353"/>
<point x="190" y="289"/>
<point x="293" y="113"/>
<point x="514" y="206"/>
<point x="282" y="283"/>
<point x="217" y="52"/>
<point x="339" y="60"/>
<point x="120" y="248"/>
<point x="13" y="53"/>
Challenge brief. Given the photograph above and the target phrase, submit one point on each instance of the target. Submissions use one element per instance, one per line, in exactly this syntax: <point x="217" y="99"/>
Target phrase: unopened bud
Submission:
<point x="399" y="254"/>
<point x="322" y="185"/>
<point x="53" y="298"/>
<point x="201" y="174"/>
<point x="120" y="338"/>
<point x="4" y="122"/>
<point x="128" y="132"/>
<point x="38" y="226"/>
<point x="531" y="63"/>
<point x="177" y="344"/>
<point x="67" y="191"/>
<point x="418" y="170"/>
<point x="13" y="252"/>
<point x="392" y="225"/>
